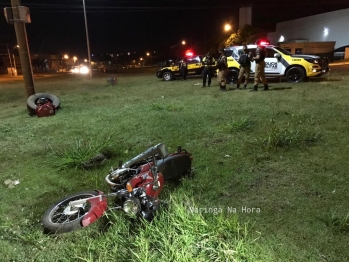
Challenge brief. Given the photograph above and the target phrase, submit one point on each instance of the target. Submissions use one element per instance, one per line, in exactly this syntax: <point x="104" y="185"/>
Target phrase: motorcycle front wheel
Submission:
<point x="62" y="218"/>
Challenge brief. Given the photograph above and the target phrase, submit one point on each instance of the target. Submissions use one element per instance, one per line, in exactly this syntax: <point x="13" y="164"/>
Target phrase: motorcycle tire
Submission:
<point x="31" y="101"/>
<point x="59" y="218"/>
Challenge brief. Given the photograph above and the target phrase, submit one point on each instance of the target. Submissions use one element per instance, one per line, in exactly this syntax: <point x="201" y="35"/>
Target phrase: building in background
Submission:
<point x="245" y="16"/>
<point x="316" y="34"/>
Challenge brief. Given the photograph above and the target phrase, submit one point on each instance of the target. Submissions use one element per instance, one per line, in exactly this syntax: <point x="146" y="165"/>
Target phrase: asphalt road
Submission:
<point x="338" y="67"/>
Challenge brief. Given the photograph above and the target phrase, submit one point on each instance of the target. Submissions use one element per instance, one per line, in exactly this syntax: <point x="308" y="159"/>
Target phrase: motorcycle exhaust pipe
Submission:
<point x="159" y="148"/>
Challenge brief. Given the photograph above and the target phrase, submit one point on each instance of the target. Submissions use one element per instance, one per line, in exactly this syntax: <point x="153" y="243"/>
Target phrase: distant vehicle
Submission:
<point x="80" y="70"/>
<point x="278" y="63"/>
<point x="170" y="69"/>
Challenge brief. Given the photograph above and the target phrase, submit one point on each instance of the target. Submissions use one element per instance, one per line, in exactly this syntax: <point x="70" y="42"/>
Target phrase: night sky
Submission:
<point x="121" y="26"/>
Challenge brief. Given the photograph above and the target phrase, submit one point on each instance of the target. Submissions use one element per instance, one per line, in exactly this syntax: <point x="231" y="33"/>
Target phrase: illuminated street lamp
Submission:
<point x="183" y="42"/>
<point x="227" y="27"/>
<point x="65" y="56"/>
<point x="75" y="58"/>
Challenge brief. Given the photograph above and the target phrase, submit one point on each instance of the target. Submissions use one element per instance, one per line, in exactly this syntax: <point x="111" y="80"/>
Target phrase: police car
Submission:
<point x="170" y="70"/>
<point x="278" y="63"/>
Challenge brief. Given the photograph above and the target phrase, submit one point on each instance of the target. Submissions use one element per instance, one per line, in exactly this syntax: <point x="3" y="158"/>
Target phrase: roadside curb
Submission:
<point x="341" y="63"/>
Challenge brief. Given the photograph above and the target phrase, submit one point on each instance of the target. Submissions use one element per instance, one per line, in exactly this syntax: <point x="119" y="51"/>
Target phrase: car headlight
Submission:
<point x="84" y="70"/>
<point x="132" y="206"/>
<point x="312" y="60"/>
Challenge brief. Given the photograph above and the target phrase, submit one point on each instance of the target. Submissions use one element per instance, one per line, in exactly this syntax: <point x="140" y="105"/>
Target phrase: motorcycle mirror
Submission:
<point x="120" y="163"/>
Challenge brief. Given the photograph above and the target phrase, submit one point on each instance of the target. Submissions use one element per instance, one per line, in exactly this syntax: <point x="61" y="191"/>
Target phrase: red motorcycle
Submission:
<point x="135" y="184"/>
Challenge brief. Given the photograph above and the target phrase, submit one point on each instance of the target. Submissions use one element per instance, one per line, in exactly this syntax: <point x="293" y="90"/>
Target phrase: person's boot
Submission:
<point x="223" y="88"/>
<point x="266" y="88"/>
<point x="237" y="86"/>
<point x="209" y="84"/>
<point x="245" y="86"/>
<point x="203" y="85"/>
<point x="255" y="88"/>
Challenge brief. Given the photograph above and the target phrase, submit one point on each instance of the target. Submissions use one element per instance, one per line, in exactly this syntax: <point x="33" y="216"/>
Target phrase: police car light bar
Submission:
<point x="262" y="42"/>
<point x="189" y="53"/>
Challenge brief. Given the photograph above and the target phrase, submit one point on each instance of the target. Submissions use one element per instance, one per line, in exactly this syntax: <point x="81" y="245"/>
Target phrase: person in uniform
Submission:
<point x="222" y="66"/>
<point x="245" y="66"/>
<point x="183" y="70"/>
<point x="259" y="75"/>
<point x="207" y="72"/>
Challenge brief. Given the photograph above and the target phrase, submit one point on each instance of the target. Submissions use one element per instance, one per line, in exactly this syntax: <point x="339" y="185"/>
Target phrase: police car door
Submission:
<point x="271" y="63"/>
<point x="193" y="64"/>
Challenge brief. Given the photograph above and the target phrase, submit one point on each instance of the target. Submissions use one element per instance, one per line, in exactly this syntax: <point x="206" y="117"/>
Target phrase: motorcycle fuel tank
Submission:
<point x="146" y="181"/>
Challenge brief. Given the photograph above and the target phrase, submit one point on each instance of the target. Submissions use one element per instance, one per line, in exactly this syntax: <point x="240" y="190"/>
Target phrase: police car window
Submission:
<point x="282" y="50"/>
<point x="194" y="60"/>
<point x="228" y="52"/>
<point x="270" y="52"/>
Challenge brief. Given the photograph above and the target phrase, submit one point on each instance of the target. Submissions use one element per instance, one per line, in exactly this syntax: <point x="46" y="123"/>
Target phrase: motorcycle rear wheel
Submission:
<point x="62" y="218"/>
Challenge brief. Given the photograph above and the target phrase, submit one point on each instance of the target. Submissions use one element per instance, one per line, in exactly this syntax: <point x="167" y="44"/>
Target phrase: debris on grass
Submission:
<point x="11" y="183"/>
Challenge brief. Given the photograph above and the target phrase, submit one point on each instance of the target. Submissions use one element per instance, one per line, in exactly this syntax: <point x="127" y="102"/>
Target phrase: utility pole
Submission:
<point x="14" y="63"/>
<point x="9" y="57"/>
<point x="24" y="54"/>
<point x="87" y="40"/>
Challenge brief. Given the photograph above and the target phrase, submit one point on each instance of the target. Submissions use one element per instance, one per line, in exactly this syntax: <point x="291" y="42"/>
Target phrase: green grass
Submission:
<point x="271" y="169"/>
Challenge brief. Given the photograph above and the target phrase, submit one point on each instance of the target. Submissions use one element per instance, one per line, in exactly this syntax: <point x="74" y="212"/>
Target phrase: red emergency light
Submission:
<point x="262" y="42"/>
<point x="189" y="53"/>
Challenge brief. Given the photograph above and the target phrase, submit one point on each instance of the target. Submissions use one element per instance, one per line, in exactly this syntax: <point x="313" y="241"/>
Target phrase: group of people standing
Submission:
<point x="209" y="66"/>
<point x="245" y="60"/>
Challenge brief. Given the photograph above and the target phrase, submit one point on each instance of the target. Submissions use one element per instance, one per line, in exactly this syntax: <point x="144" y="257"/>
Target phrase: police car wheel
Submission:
<point x="167" y="76"/>
<point x="32" y="100"/>
<point x="295" y="74"/>
<point x="232" y="76"/>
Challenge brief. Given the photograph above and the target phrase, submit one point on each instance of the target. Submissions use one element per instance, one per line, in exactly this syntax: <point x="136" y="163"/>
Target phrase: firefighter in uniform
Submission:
<point x="222" y="66"/>
<point x="259" y="75"/>
<point x="207" y="71"/>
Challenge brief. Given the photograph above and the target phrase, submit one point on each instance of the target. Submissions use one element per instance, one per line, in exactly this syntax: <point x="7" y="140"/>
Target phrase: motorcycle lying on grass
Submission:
<point x="135" y="185"/>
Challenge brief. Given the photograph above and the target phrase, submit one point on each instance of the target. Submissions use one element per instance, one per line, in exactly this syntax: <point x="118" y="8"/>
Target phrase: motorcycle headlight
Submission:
<point x="132" y="206"/>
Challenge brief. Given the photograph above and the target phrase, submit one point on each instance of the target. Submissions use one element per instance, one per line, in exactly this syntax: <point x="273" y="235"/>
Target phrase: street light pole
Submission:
<point x="14" y="63"/>
<point x="88" y="41"/>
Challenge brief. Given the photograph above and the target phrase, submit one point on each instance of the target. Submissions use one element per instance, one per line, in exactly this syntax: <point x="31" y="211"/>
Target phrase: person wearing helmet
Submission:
<point x="44" y="107"/>
<point x="259" y="75"/>
<point x="222" y="65"/>
<point x="245" y="66"/>
<point x="207" y="71"/>
<point x="42" y="100"/>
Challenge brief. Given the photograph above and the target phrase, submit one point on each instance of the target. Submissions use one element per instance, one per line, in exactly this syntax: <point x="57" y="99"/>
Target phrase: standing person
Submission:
<point x="259" y="75"/>
<point x="207" y="71"/>
<point x="222" y="66"/>
<point x="183" y="70"/>
<point x="245" y="67"/>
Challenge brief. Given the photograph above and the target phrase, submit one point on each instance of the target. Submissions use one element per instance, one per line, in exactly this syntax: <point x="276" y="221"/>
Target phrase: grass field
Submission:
<point x="271" y="169"/>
